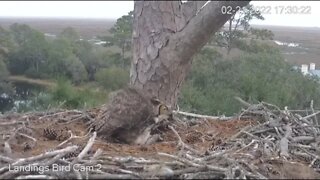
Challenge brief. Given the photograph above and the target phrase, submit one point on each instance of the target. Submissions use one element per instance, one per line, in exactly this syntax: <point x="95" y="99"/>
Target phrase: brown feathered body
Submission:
<point x="128" y="117"/>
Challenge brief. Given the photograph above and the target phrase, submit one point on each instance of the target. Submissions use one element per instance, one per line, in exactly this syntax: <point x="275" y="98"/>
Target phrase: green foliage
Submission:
<point x="238" y="30"/>
<point x="6" y="42"/>
<point x="70" y="97"/>
<point x="64" y="95"/>
<point x="60" y="49"/>
<point x="3" y="69"/>
<point x="67" y="55"/>
<point x="262" y="34"/>
<point x="5" y="87"/>
<point x="263" y="76"/>
<point x="121" y="34"/>
<point x="26" y="51"/>
<point x="122" y="30"/>
<point x="69" y="34"/>
<point x="37" y="57"/>
<point x="32" y="51"/>
<point x="255" y="46"/>
<point x="75" y="69"/>
<point x="21" y="33"/>
<point x="113" y="78"/>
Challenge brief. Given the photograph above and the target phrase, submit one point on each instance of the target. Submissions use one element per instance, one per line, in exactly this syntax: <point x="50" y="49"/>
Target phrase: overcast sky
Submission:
<point x="115" y="9"/>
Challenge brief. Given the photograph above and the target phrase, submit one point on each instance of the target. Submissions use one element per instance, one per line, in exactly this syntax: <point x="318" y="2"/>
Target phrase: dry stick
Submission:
<point x="189" y="170"/>
<point x="36" y="177"/>
<point x="185" y="161"/>
<point x="111" y="176"/>
<point x="303" y="138"/>
<point x="67" y="140"/>
<point x="252" y="168"/>
<point x="303" y="120"/>
<point x="23" y="161"/>
<point x="44" y="155"/>
<point x="239" y="133"/>
<point x="252" y="141"/>
<point x="271" y="105"/>
<point x="86" y="148"/>
<point x="253" y="136"/>
<point x="302" y="146"/>
<point x="312" y="109"/>
<point x="73" y="119"/>
<point x="304" y="155"/>
<point x="60" y="113"/>
<point x="311" y="115"/>
<point x="122" y="160"/>
<point x="6" y="159"/>
<point x="29" y="137"/>
<point x="72" y="137"/>
<point x="314" y="156"/>
<point x="313" y="161"/>
<point x="190" y="163"/>
<point x="316" y="131"/>
<point x="77" y="173"/>
<point x="284" y="142"/>
<point x="245" y="155"/>
<point x="7" y="149"/>
<point x="203" y="116"/>
<point x="53" y="160"/>
<point x="181" y="143"/>
<point x="262" y="131"/>
<point x="10" y="123"/>
<point x="158" y="170"/>
<point x="118" y="169"/>
<point x="299" y="110"/>
<point x="96" y="155"/>
<point x="243" y="102"/>
<point x="305" y="126"/>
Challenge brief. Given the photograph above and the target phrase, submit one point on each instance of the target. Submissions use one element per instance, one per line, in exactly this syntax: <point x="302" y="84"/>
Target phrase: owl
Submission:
<point x="130" y="117"/>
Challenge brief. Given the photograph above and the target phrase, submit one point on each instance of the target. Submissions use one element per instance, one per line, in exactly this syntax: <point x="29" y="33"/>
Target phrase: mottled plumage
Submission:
<point x="129" y="117"/>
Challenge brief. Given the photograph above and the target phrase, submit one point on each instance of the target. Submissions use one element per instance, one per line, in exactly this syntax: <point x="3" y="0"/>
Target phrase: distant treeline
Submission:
<point x="258" y="73"/>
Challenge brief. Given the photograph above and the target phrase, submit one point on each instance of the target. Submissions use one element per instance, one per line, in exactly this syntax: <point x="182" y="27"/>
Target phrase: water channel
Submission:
<point x="22" y="93"/>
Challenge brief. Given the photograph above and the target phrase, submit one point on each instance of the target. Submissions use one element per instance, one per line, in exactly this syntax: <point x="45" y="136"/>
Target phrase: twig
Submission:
<point x="243" y="102"/>
<point x="187" y="162"/>
<point x="77" y="173"/>
<point x="6" y="159"/>
<point x="303" y="138"/>
<point x="203" y="116"/>
<point x="7" y="149"/>
<point x="61" y="113"/>
<point x="72" y="136"/>
<point x="29" y="137"/>
<point x="35" y="177"/>
<point x="210" y="167"/>
<point x="111" y="176"/>
<point x="44" y="155"/>
<point x="284" y="142"/>
<point x="311" y="115"/>
<point x="53" y="160"/>
<point x="253" y="141"/>
<point x="96" y="155"/>
<point x="181" y="143"/>
<point x="10" y="123"/>
<point x="315" y="117"/>
<point x="86" y="148"/>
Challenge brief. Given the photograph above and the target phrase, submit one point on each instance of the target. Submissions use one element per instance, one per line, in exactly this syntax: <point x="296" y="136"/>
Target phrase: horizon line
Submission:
<point x="110" y="18"/>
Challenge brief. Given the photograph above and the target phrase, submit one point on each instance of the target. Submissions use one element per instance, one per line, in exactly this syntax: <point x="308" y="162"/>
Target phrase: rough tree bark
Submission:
<point x="166" y="35"/>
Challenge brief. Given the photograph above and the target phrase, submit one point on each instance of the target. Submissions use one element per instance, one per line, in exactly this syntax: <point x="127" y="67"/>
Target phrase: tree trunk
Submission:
<point x="166" y="35"/>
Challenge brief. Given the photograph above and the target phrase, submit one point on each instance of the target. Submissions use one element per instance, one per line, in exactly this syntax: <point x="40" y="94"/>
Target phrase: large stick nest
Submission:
<point x="262" y="142"/>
